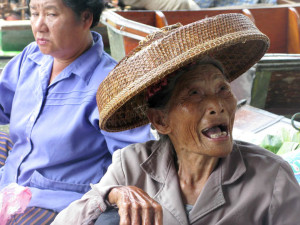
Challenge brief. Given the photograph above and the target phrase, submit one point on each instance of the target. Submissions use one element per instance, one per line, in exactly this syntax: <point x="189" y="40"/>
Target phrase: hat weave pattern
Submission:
<point x="231" y="39"/>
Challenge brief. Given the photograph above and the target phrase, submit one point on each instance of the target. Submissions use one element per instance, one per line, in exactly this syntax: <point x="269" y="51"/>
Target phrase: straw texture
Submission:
<point x="231" y="39"/>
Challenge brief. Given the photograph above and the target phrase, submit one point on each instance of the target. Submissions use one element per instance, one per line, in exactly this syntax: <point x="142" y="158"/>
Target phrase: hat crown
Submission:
<point x="162" y="32"/>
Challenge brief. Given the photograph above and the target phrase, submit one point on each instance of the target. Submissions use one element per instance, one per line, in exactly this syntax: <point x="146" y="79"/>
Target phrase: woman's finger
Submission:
<point x="135" y="214"/>
<point x="151" y="212"/>
<point x="124" y="214"/>
<point x="147" y="216"/>
<point x="158" y="214"/>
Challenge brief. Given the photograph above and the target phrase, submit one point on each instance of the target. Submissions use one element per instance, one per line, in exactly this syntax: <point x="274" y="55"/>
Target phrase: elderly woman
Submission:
<point x="178" y="79"/>
<point x="48" y="96"/>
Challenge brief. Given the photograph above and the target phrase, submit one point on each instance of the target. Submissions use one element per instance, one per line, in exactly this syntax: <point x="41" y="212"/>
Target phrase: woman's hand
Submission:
<point x="135" y="206"/>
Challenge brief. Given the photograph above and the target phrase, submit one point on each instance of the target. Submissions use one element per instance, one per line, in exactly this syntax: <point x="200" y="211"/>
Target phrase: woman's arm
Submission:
<point x="112" y="191"/>
<point x="87" y="209"/>
<point x="9" y="79"/>
<point x="8" y="83"/>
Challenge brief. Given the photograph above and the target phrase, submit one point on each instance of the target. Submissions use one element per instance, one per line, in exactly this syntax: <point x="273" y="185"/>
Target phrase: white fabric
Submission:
<point x="163" y="4"/>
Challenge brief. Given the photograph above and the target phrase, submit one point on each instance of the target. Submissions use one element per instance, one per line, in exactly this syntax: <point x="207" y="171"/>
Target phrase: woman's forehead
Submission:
<point x="204" y="72"/>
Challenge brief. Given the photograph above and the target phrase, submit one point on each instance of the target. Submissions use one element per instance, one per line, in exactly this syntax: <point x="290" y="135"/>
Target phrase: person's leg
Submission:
<point x="33" y="216"/>
<point x="110" y="217"/>
<point x="5" y="146"/>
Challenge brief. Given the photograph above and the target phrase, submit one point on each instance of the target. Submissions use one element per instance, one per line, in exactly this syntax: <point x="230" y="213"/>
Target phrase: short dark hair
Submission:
<point x="78" y="6"/>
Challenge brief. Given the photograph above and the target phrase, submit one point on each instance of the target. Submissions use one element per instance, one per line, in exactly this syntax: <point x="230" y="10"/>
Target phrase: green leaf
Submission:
<point x="285" y="135"/>
<point x="272" y="143"/>
<point x="288" y="147"/>
<point x="296" y="137"/>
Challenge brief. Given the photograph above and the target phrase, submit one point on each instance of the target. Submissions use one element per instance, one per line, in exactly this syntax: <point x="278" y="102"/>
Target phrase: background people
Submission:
<point x="158" y="4"/>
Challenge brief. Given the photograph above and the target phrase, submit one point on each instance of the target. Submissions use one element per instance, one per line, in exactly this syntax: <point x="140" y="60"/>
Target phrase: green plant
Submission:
<point x="282" y="143"/>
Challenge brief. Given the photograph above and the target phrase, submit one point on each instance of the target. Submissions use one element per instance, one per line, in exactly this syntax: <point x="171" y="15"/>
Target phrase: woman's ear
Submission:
<point x="87" y="18"/>
<point x="159" y="121"/>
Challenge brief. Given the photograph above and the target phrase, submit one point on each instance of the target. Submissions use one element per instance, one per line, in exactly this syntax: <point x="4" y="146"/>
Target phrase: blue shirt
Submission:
<point x="58" y="146"/>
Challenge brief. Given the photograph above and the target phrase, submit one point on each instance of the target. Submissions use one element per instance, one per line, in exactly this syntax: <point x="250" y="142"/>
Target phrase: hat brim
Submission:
<point x="238" y="51"/>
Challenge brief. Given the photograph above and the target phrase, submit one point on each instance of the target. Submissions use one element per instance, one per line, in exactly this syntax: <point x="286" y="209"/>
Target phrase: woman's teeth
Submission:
<point x="218" y="135"/>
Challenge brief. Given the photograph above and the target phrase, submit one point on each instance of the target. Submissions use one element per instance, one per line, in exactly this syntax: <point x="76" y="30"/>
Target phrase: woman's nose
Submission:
<point x="214" y="107"/>
<point x="39" y="24"/>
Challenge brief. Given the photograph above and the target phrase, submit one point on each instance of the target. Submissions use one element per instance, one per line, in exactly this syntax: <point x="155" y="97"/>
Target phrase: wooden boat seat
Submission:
<point x="280" y="23"/>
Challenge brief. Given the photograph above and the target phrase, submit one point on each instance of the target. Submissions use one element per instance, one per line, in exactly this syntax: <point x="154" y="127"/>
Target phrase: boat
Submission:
<point x="280" y="23"/>
<point x="127" y="27"/>
<point x="276" y="84"/>
<point x="252" y="124"/>
<point x="16" y="34"/>
<point x="15" y="29"/>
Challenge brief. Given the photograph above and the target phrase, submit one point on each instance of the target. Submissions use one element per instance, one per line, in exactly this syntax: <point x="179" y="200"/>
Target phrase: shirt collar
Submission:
<point x="232" y="166"/>
<point x="82" y="66"/>
<point x="157" y="164"/>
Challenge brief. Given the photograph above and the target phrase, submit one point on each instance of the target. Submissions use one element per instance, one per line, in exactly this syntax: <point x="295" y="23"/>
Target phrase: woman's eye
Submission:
<point x="224" y="88"/>
<point x="193" y="92"/>
<point x="34" y="14"/>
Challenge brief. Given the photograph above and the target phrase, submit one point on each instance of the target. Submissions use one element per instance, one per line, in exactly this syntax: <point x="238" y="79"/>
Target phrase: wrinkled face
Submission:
<point x="56" y="29"/>
<point x="201" y="112"/>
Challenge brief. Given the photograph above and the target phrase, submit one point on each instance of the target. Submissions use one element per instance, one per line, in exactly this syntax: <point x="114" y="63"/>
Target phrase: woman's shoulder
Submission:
<point x="257" y="156"/>
<point x="127" y="162"/>
<point x="140" y="151"/>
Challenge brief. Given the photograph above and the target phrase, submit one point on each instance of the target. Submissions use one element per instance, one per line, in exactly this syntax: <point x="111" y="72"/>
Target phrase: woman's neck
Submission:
<point x="193" y="172"/>
<point x="59" y="64"/>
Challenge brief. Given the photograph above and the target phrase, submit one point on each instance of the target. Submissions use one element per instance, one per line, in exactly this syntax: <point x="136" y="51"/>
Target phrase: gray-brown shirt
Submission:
<point x="250" y="186"/>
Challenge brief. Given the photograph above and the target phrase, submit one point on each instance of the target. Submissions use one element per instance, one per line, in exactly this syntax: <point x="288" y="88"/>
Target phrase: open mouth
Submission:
<point x="217" y="131"/>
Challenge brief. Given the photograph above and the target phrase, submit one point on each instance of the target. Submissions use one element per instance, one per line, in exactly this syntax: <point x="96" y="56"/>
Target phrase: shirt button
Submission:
<point x="28" y="139"/>
<point x="32" y="119"/>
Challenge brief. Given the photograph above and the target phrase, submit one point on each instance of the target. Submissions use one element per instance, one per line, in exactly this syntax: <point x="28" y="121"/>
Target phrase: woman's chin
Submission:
<point x="219" y="148"/>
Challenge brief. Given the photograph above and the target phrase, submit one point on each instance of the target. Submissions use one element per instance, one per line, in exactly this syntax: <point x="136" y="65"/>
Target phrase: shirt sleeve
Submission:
<point x="1" y="171"/>
<point x="7" y="89"/>
<point x="8" y="82"/>
<point x="87" y="209"/>
<point x="119" y="140"/>
<point x="285" y="203"/>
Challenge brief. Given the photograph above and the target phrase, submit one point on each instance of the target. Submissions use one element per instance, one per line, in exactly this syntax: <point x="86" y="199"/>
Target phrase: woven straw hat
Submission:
<point x="231" y="39"/>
